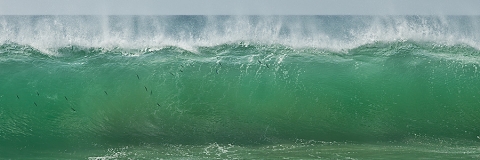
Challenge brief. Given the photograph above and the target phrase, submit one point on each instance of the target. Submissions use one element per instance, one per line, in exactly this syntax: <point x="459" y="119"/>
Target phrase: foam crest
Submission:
<point x="189" y="32"/>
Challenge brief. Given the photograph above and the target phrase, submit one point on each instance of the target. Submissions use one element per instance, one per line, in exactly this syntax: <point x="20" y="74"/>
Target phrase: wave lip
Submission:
<point x="458" y="51"/>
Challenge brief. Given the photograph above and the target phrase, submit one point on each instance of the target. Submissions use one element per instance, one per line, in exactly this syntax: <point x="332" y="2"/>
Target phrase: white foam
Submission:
<point x="189" y="32"/>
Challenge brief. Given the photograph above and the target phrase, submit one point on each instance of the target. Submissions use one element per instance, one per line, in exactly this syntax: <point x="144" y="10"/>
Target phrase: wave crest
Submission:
<point x="189" y="32"/>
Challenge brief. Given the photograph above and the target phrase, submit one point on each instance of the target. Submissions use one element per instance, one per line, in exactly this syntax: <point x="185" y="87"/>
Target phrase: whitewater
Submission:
<point x="239" y="87"/>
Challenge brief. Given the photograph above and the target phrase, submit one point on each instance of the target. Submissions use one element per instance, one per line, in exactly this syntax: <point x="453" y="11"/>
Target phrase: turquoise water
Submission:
<point x="245" y="99"/>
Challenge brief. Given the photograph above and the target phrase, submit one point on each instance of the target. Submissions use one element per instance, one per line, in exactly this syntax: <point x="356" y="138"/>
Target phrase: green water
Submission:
<point x="392" y="100"/>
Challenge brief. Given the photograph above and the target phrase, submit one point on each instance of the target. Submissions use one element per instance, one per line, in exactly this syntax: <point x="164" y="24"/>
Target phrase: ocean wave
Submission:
<point x="234" y="91"/>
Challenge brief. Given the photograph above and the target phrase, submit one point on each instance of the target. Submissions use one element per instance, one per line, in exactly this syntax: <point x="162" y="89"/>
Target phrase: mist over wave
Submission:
<point x="189" y="32"/>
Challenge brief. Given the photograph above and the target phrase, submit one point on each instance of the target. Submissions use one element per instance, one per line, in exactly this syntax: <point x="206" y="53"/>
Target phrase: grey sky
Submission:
<point x="240" y="7"/>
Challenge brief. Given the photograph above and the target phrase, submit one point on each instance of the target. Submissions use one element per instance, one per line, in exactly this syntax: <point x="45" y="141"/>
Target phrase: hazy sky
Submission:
<point x="240" y="7"/>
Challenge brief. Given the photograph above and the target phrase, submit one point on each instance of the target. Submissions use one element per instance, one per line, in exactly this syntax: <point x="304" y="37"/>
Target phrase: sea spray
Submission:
<point x="188" y="32"/>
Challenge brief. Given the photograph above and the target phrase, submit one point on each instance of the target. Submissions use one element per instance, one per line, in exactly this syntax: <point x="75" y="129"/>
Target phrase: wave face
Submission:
<point x="70" y="82"/>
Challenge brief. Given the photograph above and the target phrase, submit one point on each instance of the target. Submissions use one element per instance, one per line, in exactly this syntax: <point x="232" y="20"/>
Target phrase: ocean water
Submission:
<point x="239" y="87"/>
